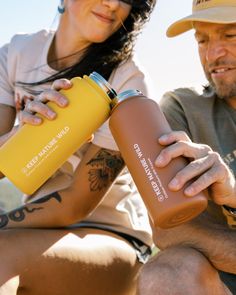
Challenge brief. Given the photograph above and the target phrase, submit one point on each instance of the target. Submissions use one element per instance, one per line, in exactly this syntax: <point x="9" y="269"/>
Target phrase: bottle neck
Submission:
<point x="104" y="85"/>
<point x="125" y="95"/>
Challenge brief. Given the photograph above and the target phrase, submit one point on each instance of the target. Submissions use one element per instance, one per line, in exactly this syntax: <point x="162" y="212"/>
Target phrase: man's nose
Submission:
<point x="215" y="50"/>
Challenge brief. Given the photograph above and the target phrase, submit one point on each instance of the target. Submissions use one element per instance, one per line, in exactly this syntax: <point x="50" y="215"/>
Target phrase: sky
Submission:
<point x="170" y="62"/>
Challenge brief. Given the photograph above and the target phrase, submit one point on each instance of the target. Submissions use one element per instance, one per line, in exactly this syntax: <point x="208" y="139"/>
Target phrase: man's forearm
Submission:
<point x="214" y="240"/>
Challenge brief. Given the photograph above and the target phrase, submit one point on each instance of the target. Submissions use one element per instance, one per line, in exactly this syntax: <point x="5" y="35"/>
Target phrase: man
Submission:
<point x="199" y="257"/>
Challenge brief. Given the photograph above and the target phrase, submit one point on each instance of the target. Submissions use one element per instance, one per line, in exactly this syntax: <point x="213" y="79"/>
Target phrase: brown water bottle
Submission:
<point x="136" y="123"/>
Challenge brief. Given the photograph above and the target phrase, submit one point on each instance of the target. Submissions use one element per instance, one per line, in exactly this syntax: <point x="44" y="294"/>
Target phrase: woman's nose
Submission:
<point x="113" y="4"/>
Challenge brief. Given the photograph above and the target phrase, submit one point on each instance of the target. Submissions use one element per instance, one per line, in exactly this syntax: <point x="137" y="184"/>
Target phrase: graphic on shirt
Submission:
<point x="230" y="158"/>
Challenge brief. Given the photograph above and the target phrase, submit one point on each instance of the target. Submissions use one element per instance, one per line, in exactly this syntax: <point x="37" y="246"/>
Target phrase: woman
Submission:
<point x="85" y="230"/>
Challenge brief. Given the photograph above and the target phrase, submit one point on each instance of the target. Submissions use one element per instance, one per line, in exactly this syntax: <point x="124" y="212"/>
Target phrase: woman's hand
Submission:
<point x="206" y="169"/>
<point x="39" y="106"/>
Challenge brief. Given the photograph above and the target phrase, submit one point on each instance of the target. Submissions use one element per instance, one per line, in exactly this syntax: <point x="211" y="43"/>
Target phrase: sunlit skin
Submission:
<point x="85" y="22"/>
<point x="217" y="51"/>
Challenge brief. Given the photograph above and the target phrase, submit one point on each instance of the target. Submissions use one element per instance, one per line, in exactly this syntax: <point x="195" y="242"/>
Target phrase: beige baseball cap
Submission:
<point x="211" y="11"/>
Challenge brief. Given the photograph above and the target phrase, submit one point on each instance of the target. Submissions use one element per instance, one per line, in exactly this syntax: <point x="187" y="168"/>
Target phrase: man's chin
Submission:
<point x="224" y="91"/>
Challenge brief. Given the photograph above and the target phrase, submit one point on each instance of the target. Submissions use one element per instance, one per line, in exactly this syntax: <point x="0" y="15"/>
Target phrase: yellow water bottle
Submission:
<point x="42" y="149"/>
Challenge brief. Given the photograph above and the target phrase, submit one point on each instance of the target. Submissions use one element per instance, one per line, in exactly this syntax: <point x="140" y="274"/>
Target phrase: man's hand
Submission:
<point x="206" y="169"/>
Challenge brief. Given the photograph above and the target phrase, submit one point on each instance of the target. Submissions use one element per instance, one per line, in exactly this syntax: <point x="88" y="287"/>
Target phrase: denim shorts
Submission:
<point x="142" y="250"/>
<point x="229" y="280"/>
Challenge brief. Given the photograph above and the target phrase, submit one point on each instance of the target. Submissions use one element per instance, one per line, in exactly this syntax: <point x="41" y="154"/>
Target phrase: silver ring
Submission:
<point x="39" y="98"/>
<point x="28" y="106"/>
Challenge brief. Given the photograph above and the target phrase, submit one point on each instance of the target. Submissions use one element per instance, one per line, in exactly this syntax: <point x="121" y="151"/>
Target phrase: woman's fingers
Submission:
<point x="53" y="96"/>
<point x="61" y="84"/>
<point x="35" y="106"/>
<point x="37" y="109"/>
<point x="28" y="118"/>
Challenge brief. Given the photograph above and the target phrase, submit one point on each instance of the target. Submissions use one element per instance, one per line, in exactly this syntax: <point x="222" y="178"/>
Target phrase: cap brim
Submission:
<point x="221" y="15"/>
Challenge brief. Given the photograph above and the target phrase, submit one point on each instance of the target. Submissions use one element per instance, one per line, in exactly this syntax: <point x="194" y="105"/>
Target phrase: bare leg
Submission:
<point x="59" y="262"/>
<point x="180" y="271"/>
<point x="10" y="287"/>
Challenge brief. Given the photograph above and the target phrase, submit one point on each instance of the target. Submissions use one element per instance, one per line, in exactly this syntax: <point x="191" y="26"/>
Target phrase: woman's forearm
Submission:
<point x="75" y="202"/>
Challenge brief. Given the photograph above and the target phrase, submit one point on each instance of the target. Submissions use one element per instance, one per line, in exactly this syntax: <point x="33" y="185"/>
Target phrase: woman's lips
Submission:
<point x="103" y="17"/>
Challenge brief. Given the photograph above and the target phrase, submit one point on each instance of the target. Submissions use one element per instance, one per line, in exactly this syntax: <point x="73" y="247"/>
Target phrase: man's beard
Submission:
<point x="223" y="90"/>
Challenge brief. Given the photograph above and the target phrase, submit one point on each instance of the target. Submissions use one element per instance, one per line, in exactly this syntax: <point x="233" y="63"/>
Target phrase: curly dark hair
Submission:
<point x="106" y="56"/>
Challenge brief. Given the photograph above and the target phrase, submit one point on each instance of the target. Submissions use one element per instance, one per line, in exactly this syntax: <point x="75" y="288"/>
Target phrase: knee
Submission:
<point x="10" y="287"/>
<point x="173" y="270"/>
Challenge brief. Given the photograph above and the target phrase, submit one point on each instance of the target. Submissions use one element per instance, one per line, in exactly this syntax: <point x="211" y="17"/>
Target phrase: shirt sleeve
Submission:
<point x="6" y="89"/>
<point x="131" y="75"/>
<point x="171" y="106"/>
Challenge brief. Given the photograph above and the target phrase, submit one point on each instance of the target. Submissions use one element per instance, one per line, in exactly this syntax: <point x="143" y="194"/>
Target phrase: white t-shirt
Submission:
<point x="24" y="59"/>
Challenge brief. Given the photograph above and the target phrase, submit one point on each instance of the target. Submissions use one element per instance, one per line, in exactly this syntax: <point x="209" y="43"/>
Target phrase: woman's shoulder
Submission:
<point x="130" y="67"/>
<point x="30" y="40"/>
<point x="130" y="74"/>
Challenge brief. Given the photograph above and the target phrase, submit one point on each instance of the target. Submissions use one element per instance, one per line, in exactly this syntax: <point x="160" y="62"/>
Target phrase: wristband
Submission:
<point x="231" y="210"/>
<point x="230" y="214"/>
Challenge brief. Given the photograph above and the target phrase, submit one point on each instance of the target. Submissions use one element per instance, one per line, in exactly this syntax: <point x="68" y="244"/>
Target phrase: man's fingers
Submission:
<point x="204" y="172"/>
<point x="173" y="136"/>
<point x="181" y="148"/>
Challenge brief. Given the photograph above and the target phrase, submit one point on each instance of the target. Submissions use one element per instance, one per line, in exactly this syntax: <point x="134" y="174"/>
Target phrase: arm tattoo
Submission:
<point x="18" y="214"/>
<point x="105" y="166"/>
